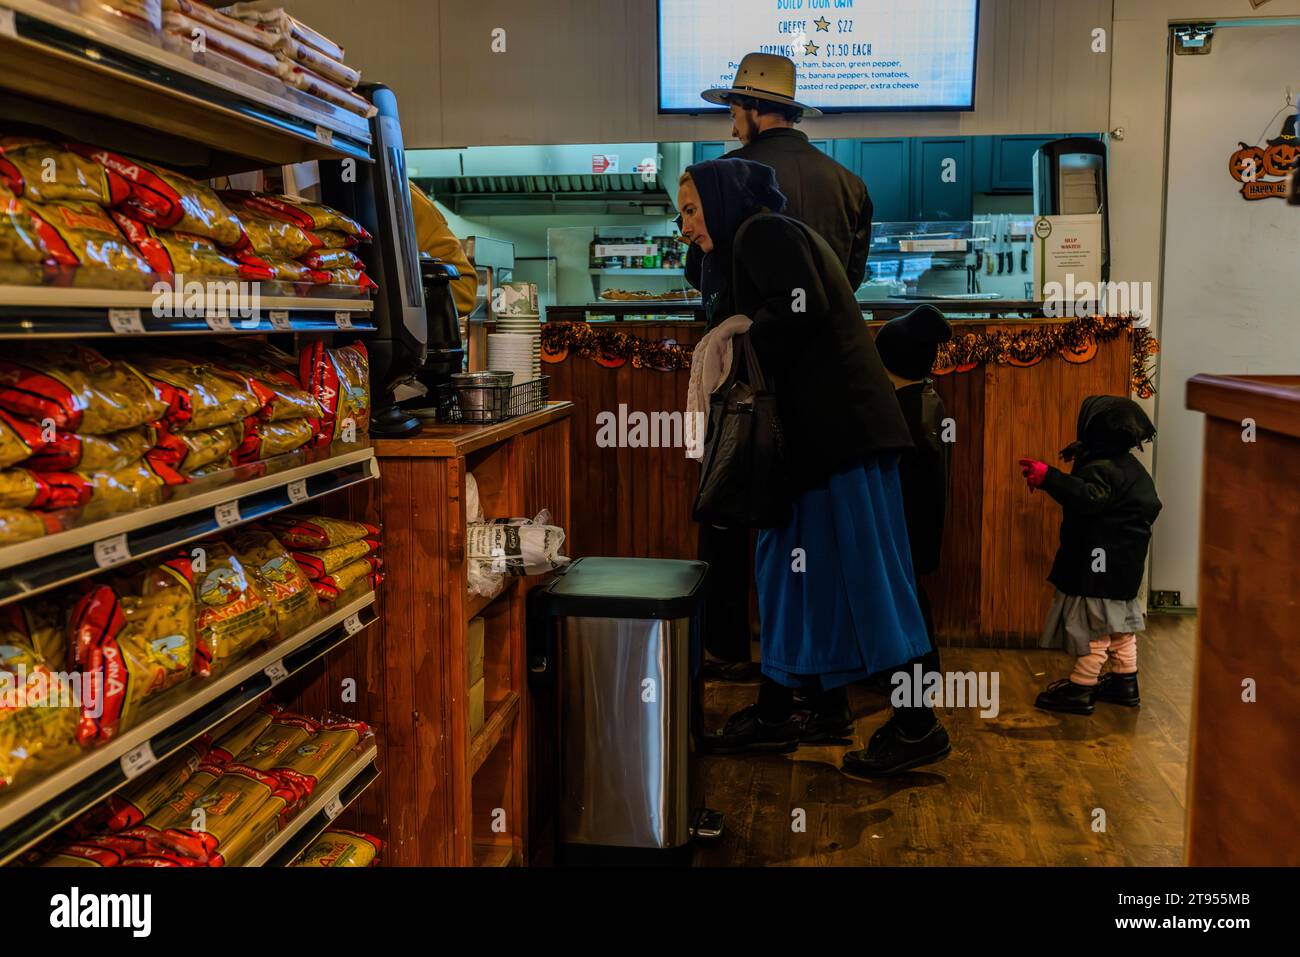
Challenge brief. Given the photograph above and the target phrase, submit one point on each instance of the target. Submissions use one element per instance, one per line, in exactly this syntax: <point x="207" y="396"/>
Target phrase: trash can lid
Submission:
<point x="626" y="588"/>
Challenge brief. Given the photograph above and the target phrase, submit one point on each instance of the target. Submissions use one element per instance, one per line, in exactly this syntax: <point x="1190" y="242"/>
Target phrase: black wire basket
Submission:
<point x="492" y="403"/>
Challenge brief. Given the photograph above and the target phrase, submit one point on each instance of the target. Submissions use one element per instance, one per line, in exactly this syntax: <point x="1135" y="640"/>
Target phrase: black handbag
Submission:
<point x="743" y="479"/>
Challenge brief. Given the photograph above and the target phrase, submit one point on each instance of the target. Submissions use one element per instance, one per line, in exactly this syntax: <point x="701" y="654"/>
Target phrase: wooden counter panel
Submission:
<point x="440" y="440"/>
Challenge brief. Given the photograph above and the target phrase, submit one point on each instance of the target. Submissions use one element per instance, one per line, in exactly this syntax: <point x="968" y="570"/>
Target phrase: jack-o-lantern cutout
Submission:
<point x="1282" y="157"/>
<point x="1085" y="352"/>
<point x="1247" y="163"/>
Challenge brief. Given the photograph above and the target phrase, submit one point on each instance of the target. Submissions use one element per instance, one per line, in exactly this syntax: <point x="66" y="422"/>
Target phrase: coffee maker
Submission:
<point x="446" y="352"/>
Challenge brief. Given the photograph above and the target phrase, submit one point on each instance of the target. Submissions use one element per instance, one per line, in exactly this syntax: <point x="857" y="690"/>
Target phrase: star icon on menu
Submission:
<point x="810" y="48"/>
<point x="823" y="25"/>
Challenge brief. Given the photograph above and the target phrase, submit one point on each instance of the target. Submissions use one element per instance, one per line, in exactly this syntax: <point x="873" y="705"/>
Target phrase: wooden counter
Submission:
<point x="1243" y="803"/>
<point x="1000" y="540"/>
<point x="448" y="796"/>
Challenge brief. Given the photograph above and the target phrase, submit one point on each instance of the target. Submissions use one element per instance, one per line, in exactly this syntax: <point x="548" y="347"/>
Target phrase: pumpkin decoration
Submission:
<point x="554" y="353"/>
<point x="965" y="366"/>
<point x="1084" y="352"/>
<point x="1246" y="163"/>
<point x="1283" y="153"/>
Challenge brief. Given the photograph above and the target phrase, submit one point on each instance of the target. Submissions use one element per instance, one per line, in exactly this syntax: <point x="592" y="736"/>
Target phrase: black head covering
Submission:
<point x="909" y="344"/>
<point x="1109" y="425"/>
<point x="731" y="191"/>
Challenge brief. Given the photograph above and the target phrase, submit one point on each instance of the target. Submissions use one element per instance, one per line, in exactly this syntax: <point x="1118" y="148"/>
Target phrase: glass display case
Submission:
<point x="985" y="258"/>
<point x="636" y="271"/>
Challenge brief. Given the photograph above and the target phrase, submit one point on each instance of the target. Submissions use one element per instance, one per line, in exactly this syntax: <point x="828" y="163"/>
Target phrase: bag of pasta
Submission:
<point x="197" y="396"/>
<point x="133" y="638"/>
<point x="300" y="212"/>
<point x="43" y="172"/>
<point x="318" y="531"/>
<point x="240" y="730"/>
<point x="279" y="578"/>
<point x="188" y="452"/>
<point x="330" y="587"/>
<point x="78" y="390"/>
<point x="38" y="714"/>
<point x="85" y="235"/>
<point x="265" y="440"/>
<point x="277" y="389"/>
<point x="47" y="491"/>
<point x="339" y="847"/>
<point x="305" y="766"/>
<point x="20" y="439"/>
<point x="20" y="525"/>
<point x="139" y="485"/>
<point x="233" y="614"/>
<point x="331" y="259"/>
<point x="290" y="270"/>
<point x="130" y="806"/>
<point x="326" y="561"/>
<point x="92" y="453"/>
<point x="230" y="803"/>
<point x="177" y="810"/>
<point x="174" y="253"/>
<point x="168" y="200"/>
<point x="352" y="277"/>
<point x="276" y="237"/>
<point x="340" y="381"/>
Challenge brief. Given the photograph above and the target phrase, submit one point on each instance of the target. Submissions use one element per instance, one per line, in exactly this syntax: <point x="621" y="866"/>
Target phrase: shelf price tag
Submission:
<point x="280" y="320"/>
<point x="324" y="136"/>
<point x="111" y="551"/>
<point x="352" y="624"/>
<point x="138" y="760"/>
<point x="334" y="807"/>
<point x="126" y="322"/>
<point x="343" y="320"/>
<point x="227" y="514"/>
<point x="298" y="491"/>
<point x="276" y="672"/>
<point x="220" y="322"/>
<point x="7" y="23"/>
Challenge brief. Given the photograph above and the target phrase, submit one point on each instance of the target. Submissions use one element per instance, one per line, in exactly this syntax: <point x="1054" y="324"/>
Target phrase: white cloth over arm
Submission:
<point x="710" y="366"/>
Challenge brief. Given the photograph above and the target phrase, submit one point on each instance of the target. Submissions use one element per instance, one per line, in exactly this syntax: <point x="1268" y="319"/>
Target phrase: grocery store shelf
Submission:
<point x="165" y="725"/>
<point x="60" y="56"/>
<point x="500" y="716"/>
<point x="247" y="493"/>
<point x="476" y="604"/>
<point x="328" y="801"/>
<point x="637" y="272"/>
<point x="43" y="312"/>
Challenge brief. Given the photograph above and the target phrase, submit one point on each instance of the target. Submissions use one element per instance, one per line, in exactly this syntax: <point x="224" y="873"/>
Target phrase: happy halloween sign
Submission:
<point x="1262" y="170"/>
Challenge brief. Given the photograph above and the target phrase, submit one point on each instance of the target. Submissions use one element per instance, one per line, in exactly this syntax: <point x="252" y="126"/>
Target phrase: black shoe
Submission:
<point x="1119" y="689"/>
<point x="741" y="672"/>
<point x="827" y="726"/>
<point x="889" y="752"/>
<point x="746" y="733"/>
<point x="1067" y="697"/>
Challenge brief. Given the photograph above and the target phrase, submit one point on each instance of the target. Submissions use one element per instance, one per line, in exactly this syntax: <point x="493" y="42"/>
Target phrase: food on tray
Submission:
<point x="640" y="295"/>
<point x="339" y="847"/>
<point x="284" y="584"/>
<point x="135" y="634"/>
<point x="330" y="587"/>
<point x="44" y="172"/>
<point x="300" y="212"/>
<point x="316" y="532"/>
<point x="326" y="561"/>
<point x="233" y="613"/>
<point x="196" y="394"/>
<point x="77" y="389"/>
<point x="340" y="381"/>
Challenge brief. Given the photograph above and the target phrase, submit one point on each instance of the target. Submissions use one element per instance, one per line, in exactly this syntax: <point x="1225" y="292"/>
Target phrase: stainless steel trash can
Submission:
<point x="618" y="641"/>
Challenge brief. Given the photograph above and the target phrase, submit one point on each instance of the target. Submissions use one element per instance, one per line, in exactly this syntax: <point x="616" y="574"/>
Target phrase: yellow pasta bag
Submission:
<point x="279" y="578"/>
<point x="38" y="713"/>
<point x="233" y="613"/>
<point x="339" y="847"/>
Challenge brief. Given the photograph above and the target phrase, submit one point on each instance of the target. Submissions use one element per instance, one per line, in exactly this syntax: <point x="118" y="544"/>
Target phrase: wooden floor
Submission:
<point x="1017" y="789"/>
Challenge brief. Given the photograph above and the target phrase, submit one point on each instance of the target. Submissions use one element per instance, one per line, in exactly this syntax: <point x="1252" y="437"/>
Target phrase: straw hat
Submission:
<point x="763" y="76"/>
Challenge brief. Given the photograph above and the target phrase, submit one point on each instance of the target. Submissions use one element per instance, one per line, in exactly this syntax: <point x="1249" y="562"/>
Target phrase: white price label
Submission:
<point x="220" y="322"/>
<point x="277" y="672"/>
<point x="138" y="760"/>
<point x="111" y="551"/>
<point x="298" y="491"/>
<point x="7" y="23"/>
<point x="343" y="320"/>
<point x="325" y="136"/>
<point x="125" y="322"/>
<point x="352" y="624"/>
<point x="280" y="320"/>
<point x="227" y="514"/>
<point x="334" y="807"/>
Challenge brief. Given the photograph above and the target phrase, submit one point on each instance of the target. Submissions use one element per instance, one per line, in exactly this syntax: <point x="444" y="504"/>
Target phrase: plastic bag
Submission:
<point x="328" y="67"/>
<point x="138" y="485"/>
<point x="330" y="587"/>
<point x="19" y="439"/>
<point x="197" y="396"/>
<point x="188" y="452"/>
<point x="38" y="717"/>
<point x="316" y="532"/>
<point x="277" y="22"/>
<point x="233" y="613"/>
<point x="25" y="164"/>
<point x="516" y="546"/>
<point x="220" y="21"/>
<point x="84" y="234"/>
<point x="47" y="491"/>
<point x="277" y="389"/>
<point x="351" y="277"/>
<point x="20" y="525"/>
<point x="130" y="806"/>
<point x="333" y="259"/>
<point x="289" y="270"/>
<point x="93" y="453"/>
<point x="302" y="213"/>
<point x="135" y="636"/>
<point x="265" y="440"/>
<point x="280" y="579"/>
<point x="271" y="236"/>
<point x="305" y="766"/>
<point x="327" y="561"/>
<point x="340" y="381"/>
<point x="219" y="40"/>
<point x="77" y="389"/>
<point x="339" y="847"/>
<point x="172" y="252"/>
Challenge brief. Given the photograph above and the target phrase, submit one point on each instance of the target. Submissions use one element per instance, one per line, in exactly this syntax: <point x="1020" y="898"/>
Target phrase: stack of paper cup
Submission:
<point x="518" y="319"/>
<point x="511" y="352"/>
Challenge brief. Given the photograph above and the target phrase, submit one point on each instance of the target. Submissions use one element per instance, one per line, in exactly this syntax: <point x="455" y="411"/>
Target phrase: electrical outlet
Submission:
<point x="1166" y="599"/>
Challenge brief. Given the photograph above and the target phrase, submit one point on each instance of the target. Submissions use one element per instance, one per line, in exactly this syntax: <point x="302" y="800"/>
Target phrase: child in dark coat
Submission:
<point x="1109" y="503"/>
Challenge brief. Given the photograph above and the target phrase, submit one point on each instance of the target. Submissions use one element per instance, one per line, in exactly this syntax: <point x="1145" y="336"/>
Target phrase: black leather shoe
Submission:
<point x="746" y="733"/>
<point x="827" y="726"/>
<point x="889" y="752"/>
<point x="1067" y="697"/>
<point x="741" y="672"/>
<point x="1119" y="689"/>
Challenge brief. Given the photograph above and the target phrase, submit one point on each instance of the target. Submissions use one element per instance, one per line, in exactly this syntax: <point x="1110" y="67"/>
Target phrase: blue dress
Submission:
<point x="848" y="609"/>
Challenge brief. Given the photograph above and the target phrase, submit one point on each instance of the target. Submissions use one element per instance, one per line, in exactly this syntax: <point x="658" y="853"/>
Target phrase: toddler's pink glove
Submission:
<point x="1034" y="472"/>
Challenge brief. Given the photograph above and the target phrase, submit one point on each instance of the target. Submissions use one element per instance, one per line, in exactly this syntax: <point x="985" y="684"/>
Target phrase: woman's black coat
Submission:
<point x="836" y="402"/>
<point x="923" y="473"/>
